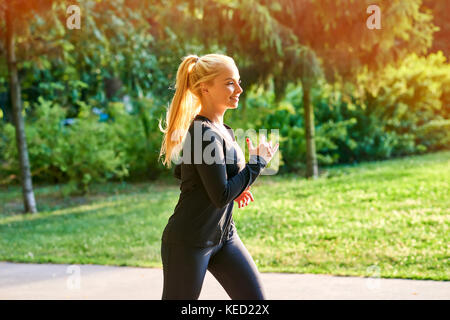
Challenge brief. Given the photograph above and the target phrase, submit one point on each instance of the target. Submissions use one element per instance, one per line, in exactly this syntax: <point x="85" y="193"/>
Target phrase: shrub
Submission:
<point x="287" y="116"/>
<point x="84" y="152"/>
<point x="139" y="137"/>
<point x="412" y="102"/>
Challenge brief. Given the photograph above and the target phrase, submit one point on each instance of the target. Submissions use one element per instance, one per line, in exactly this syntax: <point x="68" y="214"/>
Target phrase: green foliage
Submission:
<point x="116" y="58"/>
<point x="336" y="30"/>
<point x="135" y="49"/>
<point x="407" y="112"/>
<point x="96" y="156"/>
<point x="402" y="110"/>
<point x="411" y="101"/>
<point x="139" y="137"/>
<point x="84" y="152"/>
<point x="287" y="117"/>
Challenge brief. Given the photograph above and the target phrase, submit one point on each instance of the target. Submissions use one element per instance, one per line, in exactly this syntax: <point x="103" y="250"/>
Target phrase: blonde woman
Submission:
<point x="201" y="235"/>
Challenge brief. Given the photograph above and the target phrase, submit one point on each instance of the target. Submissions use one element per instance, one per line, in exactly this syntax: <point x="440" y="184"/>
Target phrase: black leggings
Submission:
<point x="229" y="262"/>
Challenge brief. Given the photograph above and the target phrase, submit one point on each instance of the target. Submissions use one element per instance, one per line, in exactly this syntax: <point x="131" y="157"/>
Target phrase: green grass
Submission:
<point x="388" y="216"/>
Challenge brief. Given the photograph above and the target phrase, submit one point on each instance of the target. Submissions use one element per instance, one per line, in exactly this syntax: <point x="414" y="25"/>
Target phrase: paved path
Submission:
<point x="58" y="281"/>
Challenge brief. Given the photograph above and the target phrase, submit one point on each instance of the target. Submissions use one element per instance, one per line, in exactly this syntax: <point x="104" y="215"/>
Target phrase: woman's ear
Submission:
<point x="203" y="88"/>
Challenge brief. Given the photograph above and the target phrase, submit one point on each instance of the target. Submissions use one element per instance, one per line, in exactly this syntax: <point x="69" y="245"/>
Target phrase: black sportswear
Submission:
<point x="203" y="214"/>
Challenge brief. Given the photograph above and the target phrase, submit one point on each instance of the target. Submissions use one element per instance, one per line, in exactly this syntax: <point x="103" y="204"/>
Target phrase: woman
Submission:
<point x="201" y="235"/>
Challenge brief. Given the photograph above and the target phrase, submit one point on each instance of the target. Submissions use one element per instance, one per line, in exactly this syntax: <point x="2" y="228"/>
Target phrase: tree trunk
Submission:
<point x="311" y="159"/>
<point x="16" y="102"/>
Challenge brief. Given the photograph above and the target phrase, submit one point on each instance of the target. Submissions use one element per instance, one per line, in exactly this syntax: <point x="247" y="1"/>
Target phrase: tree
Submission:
<point x="299" y="40"/>
<point x="15" y="13"/>
<point x="114" y="39"/>
<point x="337" y="33"/>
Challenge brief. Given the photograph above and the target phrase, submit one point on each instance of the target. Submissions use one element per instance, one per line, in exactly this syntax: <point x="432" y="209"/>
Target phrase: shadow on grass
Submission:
<point x="50" y="197"/>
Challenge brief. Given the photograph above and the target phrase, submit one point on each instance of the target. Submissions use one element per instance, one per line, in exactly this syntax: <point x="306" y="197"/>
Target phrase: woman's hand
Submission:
<point x="244" y="198"/>
<point x="265" y="149"/>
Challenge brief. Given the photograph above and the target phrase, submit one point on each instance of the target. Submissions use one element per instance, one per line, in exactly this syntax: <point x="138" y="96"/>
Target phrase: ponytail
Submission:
<point x="182" y="110"/>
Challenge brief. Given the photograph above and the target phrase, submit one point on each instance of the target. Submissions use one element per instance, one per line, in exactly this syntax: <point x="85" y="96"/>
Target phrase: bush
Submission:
<point x="81" y="153"/>
<point x="139" y="136"/>
<point x="403" y="110"/>
<point x="287" y="116"/>
<point x="411" y="103"/>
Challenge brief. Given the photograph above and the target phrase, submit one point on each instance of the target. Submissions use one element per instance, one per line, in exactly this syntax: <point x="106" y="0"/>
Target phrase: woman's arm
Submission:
<point x="221" y="190"/>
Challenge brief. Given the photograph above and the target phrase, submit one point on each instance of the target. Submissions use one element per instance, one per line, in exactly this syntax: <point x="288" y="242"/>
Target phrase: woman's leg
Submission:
<point x="184" y="270"/>
<point x="236" y="271"/>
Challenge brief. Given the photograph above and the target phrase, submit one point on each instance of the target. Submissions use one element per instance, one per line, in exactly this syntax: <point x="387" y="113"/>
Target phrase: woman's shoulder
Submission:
<point x="202" y="127"/>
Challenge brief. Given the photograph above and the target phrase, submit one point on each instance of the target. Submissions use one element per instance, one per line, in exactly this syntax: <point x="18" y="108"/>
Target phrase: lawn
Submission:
<point x="387" y="218"/>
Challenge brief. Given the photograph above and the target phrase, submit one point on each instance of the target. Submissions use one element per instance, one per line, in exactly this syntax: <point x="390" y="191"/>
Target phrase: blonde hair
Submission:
<point x="185" y="104"/>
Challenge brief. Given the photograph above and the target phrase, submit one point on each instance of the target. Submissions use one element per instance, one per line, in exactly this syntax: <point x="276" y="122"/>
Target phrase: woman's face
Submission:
<point x="224" y="92"/>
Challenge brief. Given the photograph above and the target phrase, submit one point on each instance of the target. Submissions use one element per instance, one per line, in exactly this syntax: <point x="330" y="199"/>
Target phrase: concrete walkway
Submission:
<point x="58" y="281"/>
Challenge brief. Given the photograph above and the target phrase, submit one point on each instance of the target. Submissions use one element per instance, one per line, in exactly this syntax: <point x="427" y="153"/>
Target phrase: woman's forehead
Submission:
<point x="229" y="72"/>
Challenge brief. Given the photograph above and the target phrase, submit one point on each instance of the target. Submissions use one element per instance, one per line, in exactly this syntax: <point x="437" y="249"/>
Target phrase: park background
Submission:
<point x="363" y="116"/>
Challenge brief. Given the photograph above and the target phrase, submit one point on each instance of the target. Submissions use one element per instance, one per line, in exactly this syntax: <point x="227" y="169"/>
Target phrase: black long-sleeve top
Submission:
<point x="213" y="173"/>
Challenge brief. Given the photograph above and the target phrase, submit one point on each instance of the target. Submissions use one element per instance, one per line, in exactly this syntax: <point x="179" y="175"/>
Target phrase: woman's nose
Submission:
<point x="239" y="89"/>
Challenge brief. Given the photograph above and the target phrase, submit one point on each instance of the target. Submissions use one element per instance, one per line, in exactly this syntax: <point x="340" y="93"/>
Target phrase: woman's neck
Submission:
<point x="214" y="117"/>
